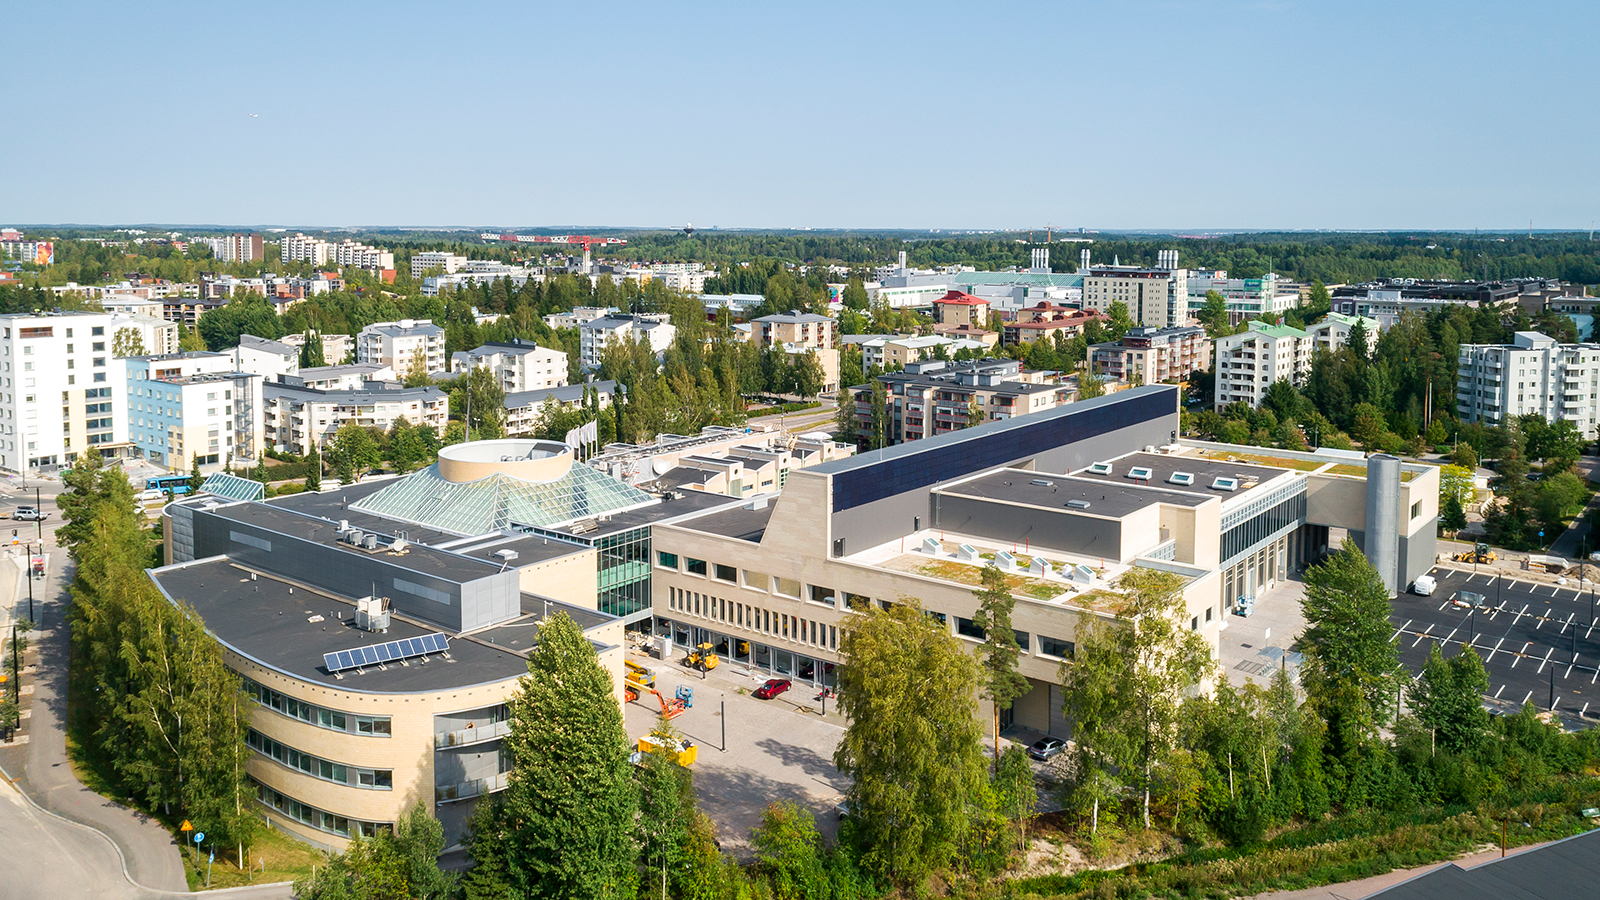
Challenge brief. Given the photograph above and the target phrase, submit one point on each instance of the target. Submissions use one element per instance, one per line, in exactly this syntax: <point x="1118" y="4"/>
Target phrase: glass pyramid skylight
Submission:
<point x="499" y="500"/>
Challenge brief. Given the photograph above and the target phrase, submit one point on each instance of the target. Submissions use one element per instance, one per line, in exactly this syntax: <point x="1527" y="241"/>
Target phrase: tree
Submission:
<point x="844" y="415"/>
<point x="1456" y="482"/>
<point x="244" y="314"/>
<point x="313" y="466"/>
<point x="354" y="451"/>
<point x="480" y="392"/>
<point x="128" y="341"/>
<point x="189" y="339"/>
<point x="879" y="436"/>
<point x="1452" y="517"/>
<point x="975" y="411"/>
<point x="913" y="748"/>
<point x="417" y="370"/>
<point x="311" y="352"/>
<point x="788" y="851"/>
<point x="666" y="812"/>
<point x="1002" y="683"/>
<point x="1127" y="678"/>
<point x="1351" y="657"/>
<point x="1215" y="315"/>
<point x="1090" y="385"/>
<point x="1465" y="457"/>
<point x="196" y="480"/>
<point x="400" y="865"/>
<point x="1448" y="699"/>
<point x="569" y="806"/>
<point x="1557" y="497"/>
<point x="806" y="375"/>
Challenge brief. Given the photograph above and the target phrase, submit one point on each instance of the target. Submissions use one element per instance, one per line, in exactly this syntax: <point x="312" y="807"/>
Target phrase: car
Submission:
<point x="772" y="688"/>
<point x="1045" y="748"/>
<point x="147" y="496"/>
<point x="843" y="809"/>
<point x="1423" y="586"/>
<point x="29" y="514"/>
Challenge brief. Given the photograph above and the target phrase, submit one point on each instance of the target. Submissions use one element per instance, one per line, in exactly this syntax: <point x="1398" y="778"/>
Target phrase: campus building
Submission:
<point x="1246" y="298"/>
<point x="380" y="653"/>
<point x="1533" y="374"/>
<point x="1063" y="502"/>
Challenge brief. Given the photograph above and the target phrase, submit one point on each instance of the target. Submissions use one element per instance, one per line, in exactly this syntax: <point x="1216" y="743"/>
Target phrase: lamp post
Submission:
<point x="30" y="580"/>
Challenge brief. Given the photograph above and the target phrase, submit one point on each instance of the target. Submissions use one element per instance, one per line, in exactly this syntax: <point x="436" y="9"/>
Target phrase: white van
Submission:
<point x="1423" y="586"/>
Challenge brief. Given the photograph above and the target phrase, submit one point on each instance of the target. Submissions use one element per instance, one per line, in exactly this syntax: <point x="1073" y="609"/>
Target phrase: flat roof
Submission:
<point x="687" y="503"/>
<point x="1052" y="492"/>
<point x="264" y="622"/>
<point x="740" y="522"/>
<point x="1205" y="472"/>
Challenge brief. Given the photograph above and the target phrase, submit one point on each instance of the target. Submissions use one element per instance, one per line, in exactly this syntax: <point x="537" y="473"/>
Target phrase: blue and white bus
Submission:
<point x="177" y="484"/>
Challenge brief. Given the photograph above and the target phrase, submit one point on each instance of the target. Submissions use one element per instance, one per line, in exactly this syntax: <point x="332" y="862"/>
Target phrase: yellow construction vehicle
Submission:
<point x="670" y="709"/>
<point x="639" y="673"/>
<point x="1478" y="554"/>
<point x="703" y="657"/>
<point x="680" y="750"/>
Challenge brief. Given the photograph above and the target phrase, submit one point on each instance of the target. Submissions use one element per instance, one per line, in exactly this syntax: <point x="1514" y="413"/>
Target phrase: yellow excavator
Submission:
<point x="1478" y="554"/>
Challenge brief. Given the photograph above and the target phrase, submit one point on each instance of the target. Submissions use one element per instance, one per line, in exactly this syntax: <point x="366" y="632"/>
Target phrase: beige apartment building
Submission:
<point x="1248" y="363"/>
<point x="961" y="308"/>
<point x="800" y="333"/>
<point x="398" y="344"/>
<point x="1151" y="355"/>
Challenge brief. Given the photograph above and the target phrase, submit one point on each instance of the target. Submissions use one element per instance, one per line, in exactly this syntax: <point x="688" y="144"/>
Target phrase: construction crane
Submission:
<point x="586" y="241"/>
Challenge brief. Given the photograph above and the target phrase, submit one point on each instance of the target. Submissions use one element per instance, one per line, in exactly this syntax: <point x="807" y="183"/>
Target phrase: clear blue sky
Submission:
<point x="1191" y="115"/>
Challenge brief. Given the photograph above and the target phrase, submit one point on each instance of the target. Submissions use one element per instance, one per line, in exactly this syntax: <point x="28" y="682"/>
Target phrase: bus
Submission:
<point x="176" y="484"/>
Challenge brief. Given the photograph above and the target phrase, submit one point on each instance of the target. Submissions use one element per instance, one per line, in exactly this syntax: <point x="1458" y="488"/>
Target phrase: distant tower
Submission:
<point x="1083" y="260"/>
<point x="902" y="262"/>
<point x="1041" y="260"/>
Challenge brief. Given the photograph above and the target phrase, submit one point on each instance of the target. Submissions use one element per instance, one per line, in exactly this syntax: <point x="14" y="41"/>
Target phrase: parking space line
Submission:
<point x="1519" y="615"/>
<point x="1447" y="602"/>
<point x="1447" y="637"/>
<point x="1402" y="629"/>
<point x="1541" y="620"/>
<point x="1497" y="693"/>
<point x="1495" y="650"/>
<point x="1526" y="699"/>
<point x="1422" y="634"/>
<point x="1571" y="665"/>
<point x="1520" y="654"/>
<point x="1567" y="622"/>
<point x="1542" y="662"/>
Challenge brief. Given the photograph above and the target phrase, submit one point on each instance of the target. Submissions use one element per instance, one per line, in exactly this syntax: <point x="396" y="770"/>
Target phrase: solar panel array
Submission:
<point x="393" y="651"/>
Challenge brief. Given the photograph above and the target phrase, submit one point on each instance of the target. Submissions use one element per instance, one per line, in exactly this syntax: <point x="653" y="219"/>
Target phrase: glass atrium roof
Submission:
<point x="497" y="501"/>
<point x="233" y="487"/>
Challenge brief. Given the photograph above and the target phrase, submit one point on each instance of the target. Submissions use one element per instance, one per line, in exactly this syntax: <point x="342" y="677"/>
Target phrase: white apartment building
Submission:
<point x="300" y="248"/>
<point x="146" y="330"/>
<point x="1157" y="297"/>
<point x="193" y="407"/>
<point x="597" y="334"/>
<point x="1333" y="331"/>
<point x="1532" y="374"/>
<point x="578" y="316"/>
<point x="360" y="256"/>
<point x="396" y="345"/>
<point x="487" y="273"/>
<point x="344" y="378"/>
<point x="518" y="365"/>
<point x="335" y="347"/>
<point x="297" y="415"/>
<point x="1248" y="363"/>
<point x="1246" y="297"/>
<point x="449" y="263"/>
<point x="61" y="390"/>
<point x="269" y="359"/>
<point x="235" y="247"/>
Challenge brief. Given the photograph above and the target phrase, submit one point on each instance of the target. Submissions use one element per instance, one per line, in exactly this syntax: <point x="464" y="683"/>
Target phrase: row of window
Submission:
<point x="754" y="618"/>
<point x="377" y="726"/>
<point x="316" y="818"/>
<point x="751" y="580"/>
<point x="316" y="767"/>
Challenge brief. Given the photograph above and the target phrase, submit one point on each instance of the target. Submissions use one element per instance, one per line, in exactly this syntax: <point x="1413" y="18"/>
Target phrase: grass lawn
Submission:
<point x="1262" y="460"/>
<point x="286" y="859"/>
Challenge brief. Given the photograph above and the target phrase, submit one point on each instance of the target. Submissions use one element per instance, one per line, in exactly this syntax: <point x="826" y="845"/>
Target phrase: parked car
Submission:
<point x="29" y="514"/>
<point x="772" y="688"/>
<point x="148" y="496"/>
<point x="842" y="809"/>
<point x="1423" y="586"/>
<point x="1045" y="748"/>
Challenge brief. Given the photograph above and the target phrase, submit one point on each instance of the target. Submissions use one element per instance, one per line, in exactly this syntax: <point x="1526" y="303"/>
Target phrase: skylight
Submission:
<point x="1101" y="468"/>
<point x="1181" y="478"/>
<point x="1226" y="484"/>
<point x="1140" y="473"/>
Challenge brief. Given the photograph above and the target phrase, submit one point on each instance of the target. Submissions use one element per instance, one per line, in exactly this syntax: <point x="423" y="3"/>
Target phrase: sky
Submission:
<point x="1137" y="114"/>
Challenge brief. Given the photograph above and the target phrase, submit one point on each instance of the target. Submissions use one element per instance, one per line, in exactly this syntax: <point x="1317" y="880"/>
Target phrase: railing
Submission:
<point x="477" y="735"/>
<point x="469" y="789"/>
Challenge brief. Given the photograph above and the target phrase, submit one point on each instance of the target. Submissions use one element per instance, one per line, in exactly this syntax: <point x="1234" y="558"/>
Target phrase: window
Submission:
<point x="788" y="587"/>
<point x="667" y="560"/>
<point x="968" y="628"/>
<point x="99" y="346"/>
<point x="97" y="331"/>
<point x="1023" y="641"/>
<point x="1049" y="646"/>
<point x="820" y="594"/>
<point x="726" y="573"/>
<point x="757" y="581"/>
<point x="1416" y="509"/>
<point x="694" y="566"/>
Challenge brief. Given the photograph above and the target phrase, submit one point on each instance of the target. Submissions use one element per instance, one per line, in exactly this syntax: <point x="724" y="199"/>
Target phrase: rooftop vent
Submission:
<point x="1100" y="468"/>
<point x="1181" y="478"/>
<point x="1077" y="504"/>
<point x="1041" y="482"/>
<point x="1140" y="473"/>
<point x="1226" y="484"/>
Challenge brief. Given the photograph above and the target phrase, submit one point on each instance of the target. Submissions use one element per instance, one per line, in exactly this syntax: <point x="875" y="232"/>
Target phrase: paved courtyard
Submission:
<point x="1254" y="647"/>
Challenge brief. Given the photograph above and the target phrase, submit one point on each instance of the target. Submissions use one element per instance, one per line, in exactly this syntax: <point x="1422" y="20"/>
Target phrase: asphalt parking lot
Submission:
<point x="1538" y="641"/>
<point x="778" y="749"/>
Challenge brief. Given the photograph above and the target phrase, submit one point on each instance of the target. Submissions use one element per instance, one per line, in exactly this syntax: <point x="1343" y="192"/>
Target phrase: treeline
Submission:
<point x="159" y="714"/>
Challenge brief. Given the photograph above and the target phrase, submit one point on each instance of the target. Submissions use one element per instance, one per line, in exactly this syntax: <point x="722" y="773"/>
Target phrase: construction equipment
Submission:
<point x="670" y="709"/>
<point x="680" y="750"/>
<point x="1478" y="554"/>
<point x="703" y="657"/>
<point x="639" y="673"/>
<point x="583" y="240"/>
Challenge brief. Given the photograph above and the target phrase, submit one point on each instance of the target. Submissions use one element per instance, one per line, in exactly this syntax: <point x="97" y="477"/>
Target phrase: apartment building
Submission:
<point x="343" y="378"/>
<point x="524" y="408"/>
<point x="1246" y="298"/>
<point x="193" y="407"/>
<point x="235" y="247"/>
<point x="357" y="255"/>
<point x="1044" y="320"/>
<point x="595" y="335"/>
<point x="799" y="334"/>
<point x="1333" y="331"/>
<point x="579" y="315"/>
<point x="428" y="260"/>
<point x="269" y="359"/>
<point x="518" y="365"/>
<point x="39" y="253"/>
<point x="897" y="352"/>
<point x="134" y="326"/>
<point x="60" y="364"/>
<point x="933" y="397"/>
<point x="1153" y="355"/>
<point x="961" y="308"/>
<point x="335" y="347"/>
<point x="300" y="248"/>
<point x="1533" y="374"/>
<point x="1156" y="296"/>
<point x="1248" y="363"/>
<point x="397" y="345"/>
<point x="297" y="415"/>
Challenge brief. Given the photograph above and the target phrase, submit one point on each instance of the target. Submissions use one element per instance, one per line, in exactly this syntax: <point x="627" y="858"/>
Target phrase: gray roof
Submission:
<point x="251" y="342"/>
<point x="322" y="373"/>
<point x="1205" y="472"/>
<point x="739" y="522"/>
<point x="570" y="393"/>
<point x="1559" y="870"/>
<point x="1106" y="500"/>
<point x="792" y="316"/>
<point x="504" y="348"/>
<point x="394" y="329"/>
<point x="354" y="397"/>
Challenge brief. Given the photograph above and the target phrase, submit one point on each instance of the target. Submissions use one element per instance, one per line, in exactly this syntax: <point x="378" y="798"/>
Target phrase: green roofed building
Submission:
<point x="1248" y="363"/>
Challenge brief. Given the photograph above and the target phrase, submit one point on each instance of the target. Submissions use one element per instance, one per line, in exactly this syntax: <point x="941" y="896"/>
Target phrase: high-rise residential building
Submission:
<point x="1333" y="331"/>
<point x="1153" y="355"/>
<point x="517" y="365"/>
<point x="428" y="260"/>
<point x="595" y="335"/>
<point x="1533" y="374"/>
<point x="361" y="256"/>
<point x="799" y="334"/>
<point x="300" y="248"/>
<point x="1248" y="363"/>
<point x="235" y="247"/>
<point x="397" y="345"/>
<point x="194" y="407"/>
<point x="62" y="390"/>
<point x="267" y="358"/>
<point x="1157" y="296"/>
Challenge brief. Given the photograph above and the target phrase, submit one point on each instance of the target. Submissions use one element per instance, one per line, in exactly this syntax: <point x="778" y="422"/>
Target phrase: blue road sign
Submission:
<point x="199" y="836"/>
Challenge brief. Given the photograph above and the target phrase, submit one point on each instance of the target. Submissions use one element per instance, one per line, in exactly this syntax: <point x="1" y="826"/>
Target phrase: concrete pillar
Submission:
<point x="1382" y="539"/>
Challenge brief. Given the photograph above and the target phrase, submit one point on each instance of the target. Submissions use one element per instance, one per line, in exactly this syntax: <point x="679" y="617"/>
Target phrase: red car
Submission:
<point x="772" y="688"/>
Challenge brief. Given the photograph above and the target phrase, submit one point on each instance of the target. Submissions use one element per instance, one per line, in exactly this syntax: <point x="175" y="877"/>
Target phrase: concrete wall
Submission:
<point x="569" y="579"/>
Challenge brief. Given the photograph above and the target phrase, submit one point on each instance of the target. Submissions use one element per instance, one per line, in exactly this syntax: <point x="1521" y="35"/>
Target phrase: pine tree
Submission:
<point x="571" y="799"/>
<point x="313" y="468"/>
<point x="1002" y="683"/>
<point x="1351" y="657"/>
<point x="844" y="416"/>
<point x="1448" y="699"/>
<point x="196" y="480"/>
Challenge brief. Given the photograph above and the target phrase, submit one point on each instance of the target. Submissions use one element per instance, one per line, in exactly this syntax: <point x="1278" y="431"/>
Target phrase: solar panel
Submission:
<point x="391" y="651"/>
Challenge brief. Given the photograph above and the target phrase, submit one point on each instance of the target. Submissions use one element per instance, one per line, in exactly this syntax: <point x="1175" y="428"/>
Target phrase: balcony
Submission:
<point x="466" y="736"/>
<point x="466" y="790"/>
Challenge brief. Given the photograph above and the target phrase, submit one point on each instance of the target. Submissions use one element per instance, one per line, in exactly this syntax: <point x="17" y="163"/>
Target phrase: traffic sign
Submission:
<point x="199" y="836"/>
<point x="185" y="826"/>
